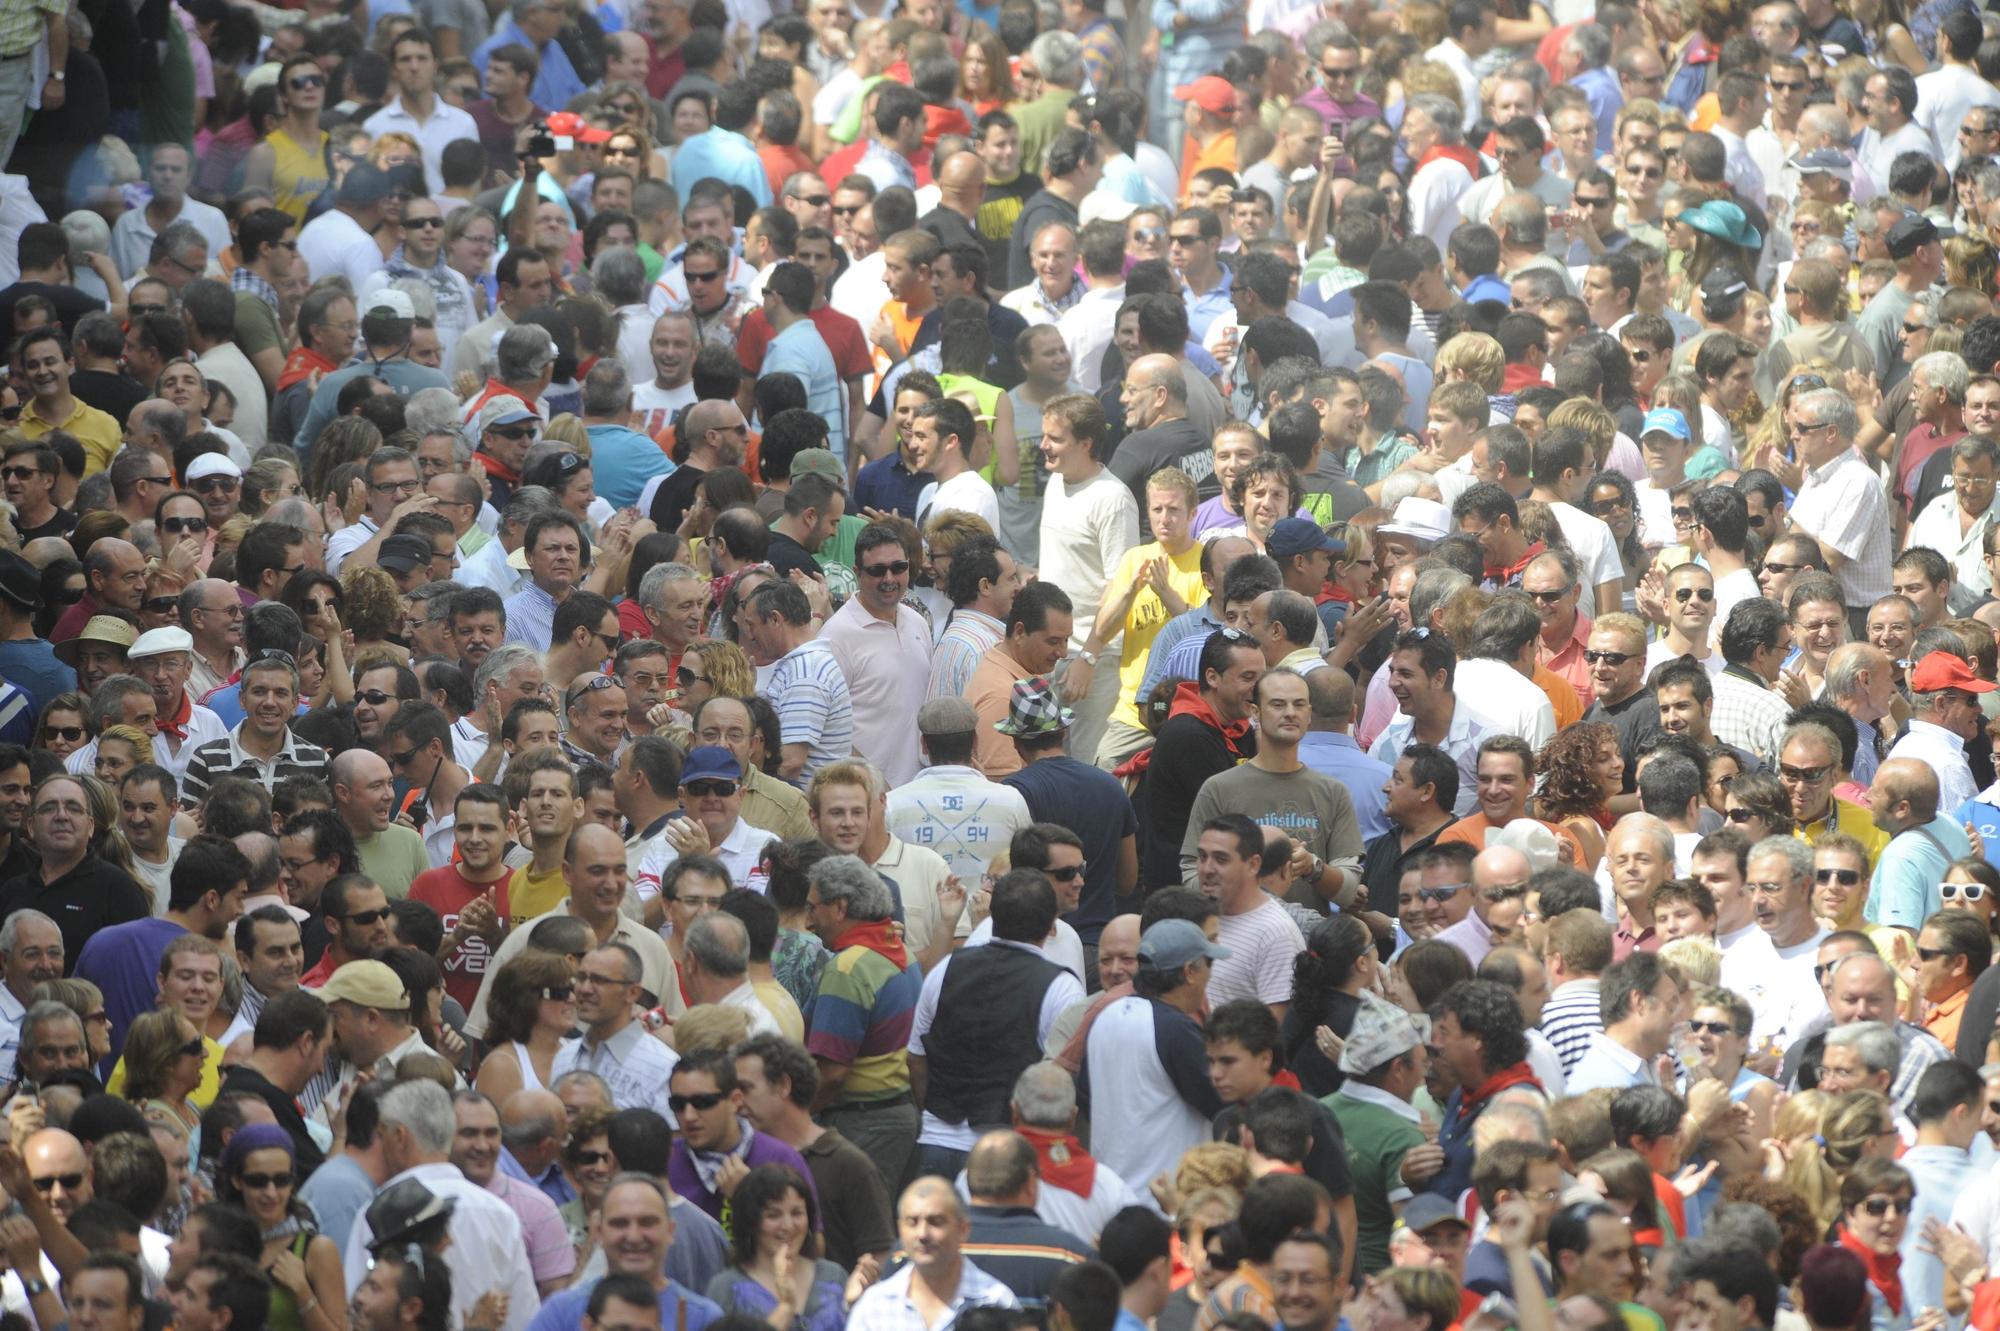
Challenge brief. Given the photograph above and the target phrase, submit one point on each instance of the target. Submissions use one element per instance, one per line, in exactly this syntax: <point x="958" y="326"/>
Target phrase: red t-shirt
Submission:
<point x="447" y="891"/>
<point x="843" y="338"/>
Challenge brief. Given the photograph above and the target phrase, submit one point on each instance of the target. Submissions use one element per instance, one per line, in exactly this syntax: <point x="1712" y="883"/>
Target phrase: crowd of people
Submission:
<point x="1238" y="665"/>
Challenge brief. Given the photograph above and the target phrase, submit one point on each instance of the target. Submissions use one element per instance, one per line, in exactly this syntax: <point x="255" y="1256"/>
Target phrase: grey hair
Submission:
<point x="607" y="389"/>
<point x="42" y="1013"/>
<point x="1045" y="1095"/>
<point x="1510" y="1121"/>
<point x="584" y="1075"/>
<point x="502" y="662"/>
<point x="1876" y="1043"/>
<point x="424" y="1107"/>
<point x="1442" y="112"/>
<point x="1742" y="1224"/>
<point x="1830" y="406"/>
<point x="848" y="878"/>
<point x="432" y="411"/>
<point x="619" y="275"/>
<point x="1592" y="44"/>
<point x="436" y="597"/>
<point x="1797" y="854"/>
<point x="1647" y="824"/>
<point x="10" y="932"/>
<point x="86" y="230"/>
<point x="654" y="585"/>
<point x="524" y="349"/>
<point x="1059" y="55"/>
<point x="178" y="239"/>
<point x="1433" y="587"/>
<point x="295" y="511"/>
<point x="528" y="503"/>
<point x="1946" y="370"/>
<point x="1844" y="666"/>
<point x="1523" y="217"/>
<point x="109" y="700"/>
<point x="720" y="943"/>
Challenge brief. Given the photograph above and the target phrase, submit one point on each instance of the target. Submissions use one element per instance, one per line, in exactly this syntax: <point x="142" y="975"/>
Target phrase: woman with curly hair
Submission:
<point x="64" y="727"/>
<point x="1327" y="981"/>
<point x="1581" y="769"/>
<point x="531" y="1010"/>
<point x="371" y="607"/>
<point x="589" y="1168"/>
<point x="164" y="1057"/>
<point x="1611" y="497"/>
<point x="711" y="666"/>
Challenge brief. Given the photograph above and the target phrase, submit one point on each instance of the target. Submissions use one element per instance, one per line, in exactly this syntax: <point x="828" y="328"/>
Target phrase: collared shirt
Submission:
<point x="1608" y="1063"/>
<point x="634" y="1064"/>
<point x="555" y="1185"/>
<point x="887" y="1306"/>
<point x="485" y="1250"/>
<point x="1033" y="302"/>
<point x="244" y="278"/>
<point x="1338" y="755"/>
<point x="887" y="664"/>
<point x="445" y="125"/>
<point x="132" y="236"/>
<point x="966" y="638"/>
<point x="1842" y="504"/>
<point x="531" y="616"/>
<point x="1086" y="327"/>
<point x="886" y="167"/>
<point x="100" y="435"/>
<point x="1944" y="753"/>
<point x="1462" y="739"/>
<point x="1747" y="714"/>
<point x="347" y="540"/>
<point x="808" y="689"/>
<point x="1940" y="527"/>
<point x="741" y="852"/>
<point x="228" y="757"/>
<point x="1206" y="308"/>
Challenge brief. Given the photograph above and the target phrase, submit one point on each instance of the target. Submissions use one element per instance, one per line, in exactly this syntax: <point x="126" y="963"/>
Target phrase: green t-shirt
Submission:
<point x="256" y="325"/>
<point x="1377" y="1140"/>
<point x="393" y="858"/>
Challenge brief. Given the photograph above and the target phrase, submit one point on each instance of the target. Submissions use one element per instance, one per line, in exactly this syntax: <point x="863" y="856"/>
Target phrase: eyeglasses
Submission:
<point x="1610" y="658"/>
<point x="259" y="1182"/>
<point x="189" y="526"/>
<point x="1881" y="1206"/>
<point x="1804" y="776"/>
<point x="1686" y="594"/>
<point x="702" y="790"/>
<point x="70" y="1182"/>
<point x="559" y="993"/>
<point x="1845" y="877"/>
<point x="1711" y="1027"/>
<point x="895" y="568"/>
<point x="368" y="916"/>
<point x="1443" y="893"/>
<point x="701" y="1104"/>
<point x="69" y="734"/>
<point x="234" y="610"/>
<point x="408" y="487"/>
<point x="1961" y="891"/>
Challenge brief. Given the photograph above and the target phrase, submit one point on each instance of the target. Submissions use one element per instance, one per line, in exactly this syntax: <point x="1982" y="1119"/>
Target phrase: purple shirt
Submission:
<point x="124" y="962"/>
<point x="764" y="1150"/>
<point x="1339" y="115"/>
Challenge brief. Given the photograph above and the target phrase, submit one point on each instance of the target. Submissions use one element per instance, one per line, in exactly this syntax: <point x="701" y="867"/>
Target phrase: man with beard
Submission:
<point x="418" y="744"/>
<point x="713" y="434"/>
<point x="31" y="951"/>
<point x="262" y="747"/>
<point x="72" y="885"/>
<point x="271" y="957"/>
<point x="555" y="544"/>
<point x="475" y="1149"/>
<point x="357" y="911"/>
<point x="364" y="794"/>
<point x="163" y="660"/>
<point x="373" y="1024"/>
<point x="466" y="892"/>
<point x="314" y="848"/>
<point x="289" y="1047"/>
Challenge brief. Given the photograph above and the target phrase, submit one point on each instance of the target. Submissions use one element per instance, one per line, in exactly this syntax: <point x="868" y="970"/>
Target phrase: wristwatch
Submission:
<point x="1086" y="656"/>
<point x="56" y="74"/>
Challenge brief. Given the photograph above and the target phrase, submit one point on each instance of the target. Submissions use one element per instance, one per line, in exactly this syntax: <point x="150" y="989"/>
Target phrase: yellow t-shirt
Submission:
<point x="530" y="896"/>
<point x="204" y="1094"/>
<point x="1853" y="820"/>
<point x="298" y="175"/>
<point x="1148" y="616"/>
<point x="100" y="435"/>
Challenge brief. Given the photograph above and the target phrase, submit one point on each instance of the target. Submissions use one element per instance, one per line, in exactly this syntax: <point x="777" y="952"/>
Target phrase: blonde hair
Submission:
<point x="1538" y="523"/>
<point x="1597" y="424"/>
<point x="1212" y="1165"/>
<point x="1818" y="1164"/>
<point x="1645" y="111"/>
<point x="1697" y="959"/>
<point x="710" y="1026"/>
<point x="1175" y="481"/>
<point x="1631" y="626"/>
<point x="949" y="530"/>
<point x="729" y="670"/>
<point x="1477" y="356"/>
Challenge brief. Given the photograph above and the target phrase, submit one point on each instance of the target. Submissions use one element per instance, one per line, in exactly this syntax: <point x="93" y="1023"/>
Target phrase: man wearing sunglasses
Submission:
<point x="710" y="1150"/>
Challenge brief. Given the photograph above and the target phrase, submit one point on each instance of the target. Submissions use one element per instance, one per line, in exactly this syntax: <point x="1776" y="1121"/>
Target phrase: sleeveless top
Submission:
<point x="299" y="174"/>
<point x="284" y="1314"/>
<point x="530" y="1079"/>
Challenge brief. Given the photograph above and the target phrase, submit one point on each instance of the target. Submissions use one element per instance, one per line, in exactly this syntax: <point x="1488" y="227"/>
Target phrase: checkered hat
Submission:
<point x="1034" y="709"/>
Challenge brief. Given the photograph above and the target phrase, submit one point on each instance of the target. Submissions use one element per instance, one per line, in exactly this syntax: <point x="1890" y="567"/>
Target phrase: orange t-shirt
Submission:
<point x="1472" y="831"/>
<point x="1220" y="152"/>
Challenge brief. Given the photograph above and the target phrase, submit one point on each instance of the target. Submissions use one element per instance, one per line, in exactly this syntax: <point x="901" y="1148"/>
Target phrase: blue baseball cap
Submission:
<point x="711" y="762"/>
<point x="1665" y="420"/>
<point x="1298" y="536"/>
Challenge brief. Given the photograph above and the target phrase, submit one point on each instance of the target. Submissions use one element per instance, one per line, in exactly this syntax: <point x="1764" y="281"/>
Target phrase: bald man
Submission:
<point x="1117" y="962"/>
<point x="961" y="182"/>
<point x="1155" y="399"/>
<point x="364" y="795"/>
<point x="1329" y="748"/>
<point x="1923" y="841"/>
<point x="533" y="1124"/>
<point x="1499" y="896"/>
<point x="932" y="1224"/>
<point x="714" y="434"/>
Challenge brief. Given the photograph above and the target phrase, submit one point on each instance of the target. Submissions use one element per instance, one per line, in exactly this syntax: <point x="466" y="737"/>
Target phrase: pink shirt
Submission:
<point x="550" y="1254"/>
<point x="888" y="669"/>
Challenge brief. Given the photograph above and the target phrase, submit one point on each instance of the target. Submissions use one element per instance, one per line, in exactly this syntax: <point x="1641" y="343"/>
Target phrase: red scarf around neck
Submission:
<point x="1518" y="1075"/>
<point x="1884" y="1273"/>
<point x="878" y="936"/>
<point x="497" y="469"/>
<point x="177" y="724"/>
<point x="1456" y="152"/>
<point x="1065" y="1164"/>
<point x="300" y="366"/>
<point x="1515" y="569"/>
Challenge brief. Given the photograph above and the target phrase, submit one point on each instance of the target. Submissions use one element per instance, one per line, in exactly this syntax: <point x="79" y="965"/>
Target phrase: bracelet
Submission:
<point x="308" y="1306"/>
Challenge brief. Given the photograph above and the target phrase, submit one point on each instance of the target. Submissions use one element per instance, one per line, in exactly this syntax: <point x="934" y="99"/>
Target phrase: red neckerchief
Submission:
<point x="497" y="469"/>
<point x="1065" y="1163"/>
<point x="299" y="366"/>
<point x="585" y="366"/>
<point x="1517" y="377"/>
<point x="1456" y="152"/>
<point x="1330" y="594"/>
<point x="1187" y="702"/>
<point x="1515" y="569"/>
<point x="878" y="936"/>
<point x="1885" y="1273"/>
<point x="178" y="725"/>
<point x="1518" y="1075"/>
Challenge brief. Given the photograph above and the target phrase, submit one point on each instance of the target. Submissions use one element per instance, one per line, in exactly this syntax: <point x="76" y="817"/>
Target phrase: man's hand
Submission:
<point x="22" y="1244"/>
<point x="1076" y="679"/>
<point x="732" y="1172"/>
<point x="54" y="90"/>
<point x="951" y="896"/>
<point x="25" y="1118"/>
<point x="866" y="1272"/>
<point x="481" y="917"/>
<point x="14" y="1176"/>
<point x="1422" y="1163"/>
<point x="489" y="1313"/>
<point x="1513" y="1224"/>
<point x="687" y="837"/>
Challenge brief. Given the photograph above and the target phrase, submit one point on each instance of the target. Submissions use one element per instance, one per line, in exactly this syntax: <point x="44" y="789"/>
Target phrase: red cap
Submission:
<point x="1212" y="93"/>
<point x="570" y="125"/>
<point x="1942" y="670"/>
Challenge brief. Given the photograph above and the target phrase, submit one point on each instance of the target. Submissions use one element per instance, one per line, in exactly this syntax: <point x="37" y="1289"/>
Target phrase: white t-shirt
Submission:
<point x="967" y="492"/>
<point x="1085" y="532"/>
<point x="655" y="406"/>
<point x="1262" y="944"/>
<point x="1596" y="553"/>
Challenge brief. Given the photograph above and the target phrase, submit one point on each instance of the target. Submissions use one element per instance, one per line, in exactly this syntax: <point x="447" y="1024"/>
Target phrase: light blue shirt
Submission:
<point x="1197" y="621"/>
<point x="338" y="1191"/>
<point x="1940" y="1174"/>
<point x="1904" y="890"/>
<point x="405" y="376"/>
<point x="1339" y="756"/>
<point x="622" y="460"/>
<point x="800" y="350"/>
<point x="1205" y="309"/>
<point x="721" y="154"/>
<point x="531" y="617"/>
<point x="555" y="84"/>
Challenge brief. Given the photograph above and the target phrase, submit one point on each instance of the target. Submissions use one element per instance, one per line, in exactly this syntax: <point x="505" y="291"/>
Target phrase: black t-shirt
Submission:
<point x="1326" y="1158"/>
<point x="675" y="497"/>
<point x="284" y="1108"/>
<point x="70" y="304"/>
<point x="61" y="524"/>
<point x="787" y="554"/>
<point x="999" y="208"/>
<point x="1144" y="452"/>
<point x="113" y="394"/>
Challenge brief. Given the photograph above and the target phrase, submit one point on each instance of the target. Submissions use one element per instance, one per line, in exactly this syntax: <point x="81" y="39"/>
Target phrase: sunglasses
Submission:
<point x="687" y="677"/>
<point x="702" y="790"/>
<point x="70" y="1182"/>
<point x="1711" y="1028"/>
<point x="699" y="1103"/>
<point x="186" y="526"/>
<point x="19" y="473"/>
<point x="303" y="81"/>
<point x="160" y="605"/>
<point x="1742" y="815"/>
<point x="1845" y="877"/>
<point x="1149" y="235"/>
<point x="259" y="1182"/>
<point x="1550" y="597"/>
<point x="194" y="1047"/>
<point x="1606" y="507"/>
<point x="814" y="200"/>
<point x="1880" y="1206"/>
<point x="368" y="916"/>
<point x="425" y="222"/>
<point x="513" y="431"/>
<point x="897" y="568"/>
<point x="1805" y="776"/>
<point x="1685" y="594"/>
<point x="1610" y="658"/>
<point x="1934" y="953"/>
<point x="374" y="697"/>
<point x="592" y="1157"/>
<point x="1788" y="86"/>
<point x="1770" y="567"/>
<point x="709" y="276"/>
<point x="70" y="733"/>
<point x="1444" y="893"/>
<point x="1961" y="891"/>
<point x="209" y="484"/>
<point x="1069" y="873"/>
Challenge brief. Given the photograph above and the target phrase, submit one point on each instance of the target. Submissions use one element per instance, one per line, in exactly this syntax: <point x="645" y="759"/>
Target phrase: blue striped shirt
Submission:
<point x="531" y="617"/>
<point x="814" y="707"/>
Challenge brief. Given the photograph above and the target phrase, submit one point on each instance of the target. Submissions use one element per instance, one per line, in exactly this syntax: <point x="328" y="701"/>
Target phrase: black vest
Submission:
<point x="986" y="1031"/>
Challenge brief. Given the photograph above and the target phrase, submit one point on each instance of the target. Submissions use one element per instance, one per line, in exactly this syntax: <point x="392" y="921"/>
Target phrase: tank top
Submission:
<point x="299" y="174"/>
<point x="284" y="1314"/>
<point x="530" y="1079"/>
